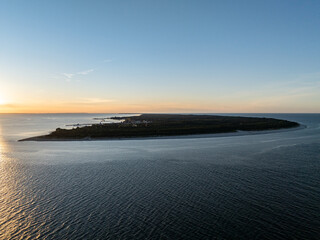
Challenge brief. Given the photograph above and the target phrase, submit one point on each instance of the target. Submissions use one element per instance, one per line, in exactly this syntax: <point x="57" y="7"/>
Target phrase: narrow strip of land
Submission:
<point x="162" y="125"/>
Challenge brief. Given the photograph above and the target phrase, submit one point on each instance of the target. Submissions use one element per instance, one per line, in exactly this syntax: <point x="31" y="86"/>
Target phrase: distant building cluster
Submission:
<point x="135" y="123"/>
<point x="126" y="122"/>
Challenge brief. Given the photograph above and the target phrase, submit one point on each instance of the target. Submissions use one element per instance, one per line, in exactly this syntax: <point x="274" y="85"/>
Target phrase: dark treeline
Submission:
<point x="150" y="125"/>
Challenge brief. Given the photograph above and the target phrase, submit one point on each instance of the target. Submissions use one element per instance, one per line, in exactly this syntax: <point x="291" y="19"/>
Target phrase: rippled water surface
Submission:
<point x="264" y="186"/>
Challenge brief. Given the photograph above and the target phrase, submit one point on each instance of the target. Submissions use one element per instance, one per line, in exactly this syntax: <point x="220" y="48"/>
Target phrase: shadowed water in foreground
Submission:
<point x="242" y="187"/>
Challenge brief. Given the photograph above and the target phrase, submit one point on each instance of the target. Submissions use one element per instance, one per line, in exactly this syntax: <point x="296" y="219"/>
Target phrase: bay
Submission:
<point x="264" y="186"/>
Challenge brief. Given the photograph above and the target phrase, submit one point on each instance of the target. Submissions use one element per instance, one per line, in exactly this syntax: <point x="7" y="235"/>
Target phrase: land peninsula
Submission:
<point x="162" y="125"/>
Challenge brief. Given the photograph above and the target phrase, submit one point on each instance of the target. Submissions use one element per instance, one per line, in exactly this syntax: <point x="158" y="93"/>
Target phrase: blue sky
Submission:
<point x="159" y="56"/>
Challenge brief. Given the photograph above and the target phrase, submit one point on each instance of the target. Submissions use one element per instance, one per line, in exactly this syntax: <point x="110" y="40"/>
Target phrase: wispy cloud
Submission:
<point x="92" y="101"/>
<point x="85" y="72"/>
<point x="69" y="76"/>
<point x="97" y="100"/>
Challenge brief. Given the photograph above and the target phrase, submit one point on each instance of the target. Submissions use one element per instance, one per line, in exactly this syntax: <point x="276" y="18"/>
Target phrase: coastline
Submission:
<point x="190" y="136"/>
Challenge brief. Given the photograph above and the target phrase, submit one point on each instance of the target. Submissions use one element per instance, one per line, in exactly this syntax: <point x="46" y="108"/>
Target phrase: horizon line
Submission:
<point x="163" y="113"/>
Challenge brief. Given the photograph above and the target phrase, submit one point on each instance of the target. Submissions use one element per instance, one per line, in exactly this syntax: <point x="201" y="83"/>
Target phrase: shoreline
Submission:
<point x="190" y="136"/>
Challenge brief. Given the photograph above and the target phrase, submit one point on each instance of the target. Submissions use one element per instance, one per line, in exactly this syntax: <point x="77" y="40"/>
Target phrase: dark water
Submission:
<point x="242" y="187"/>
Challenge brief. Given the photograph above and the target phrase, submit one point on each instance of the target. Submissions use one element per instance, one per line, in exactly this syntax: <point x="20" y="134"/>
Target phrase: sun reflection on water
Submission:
<point x="8" y="223"/>
<point x="12" y="198"/>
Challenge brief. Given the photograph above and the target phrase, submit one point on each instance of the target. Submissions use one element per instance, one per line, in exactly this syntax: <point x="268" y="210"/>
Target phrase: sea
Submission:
<point x="255" y="186"/>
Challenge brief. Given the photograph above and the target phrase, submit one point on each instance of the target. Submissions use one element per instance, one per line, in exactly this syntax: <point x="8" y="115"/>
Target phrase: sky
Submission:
<point x="159" y="56"/>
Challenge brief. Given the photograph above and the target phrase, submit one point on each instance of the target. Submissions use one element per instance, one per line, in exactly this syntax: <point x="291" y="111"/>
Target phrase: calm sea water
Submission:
<point x="264" y="186"/>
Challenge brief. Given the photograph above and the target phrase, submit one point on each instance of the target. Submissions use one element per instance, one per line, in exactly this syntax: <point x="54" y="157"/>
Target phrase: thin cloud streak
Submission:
<point x="85" y="72"/>
<point x="70" y="76"/>
<point x="92" y="101"/>
<point x="97" y="100"/>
